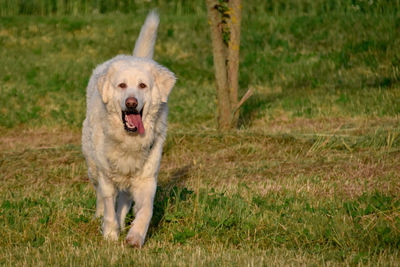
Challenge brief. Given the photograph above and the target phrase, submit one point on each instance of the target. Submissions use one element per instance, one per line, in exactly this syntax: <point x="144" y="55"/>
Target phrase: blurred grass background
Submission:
<point x="182" y="7"/>
<point x="304" y="58"/>
<point x="309" y="178"/>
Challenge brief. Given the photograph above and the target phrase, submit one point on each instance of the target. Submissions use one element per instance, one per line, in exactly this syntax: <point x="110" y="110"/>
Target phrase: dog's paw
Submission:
<point x="134" y="240"/>
<point x="98" y="214"/>
<point x="111" y="236"/>
<point x="110" y="231"/>
<point x="99" y="209"/>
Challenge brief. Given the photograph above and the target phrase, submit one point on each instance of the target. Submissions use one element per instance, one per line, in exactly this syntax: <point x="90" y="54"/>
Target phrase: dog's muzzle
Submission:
<point x="131" y="117"/>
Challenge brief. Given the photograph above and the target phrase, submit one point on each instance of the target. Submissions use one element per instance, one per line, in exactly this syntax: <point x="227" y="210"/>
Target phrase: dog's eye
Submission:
<point x="142" y="85"/>
<point x="122" y="85"/>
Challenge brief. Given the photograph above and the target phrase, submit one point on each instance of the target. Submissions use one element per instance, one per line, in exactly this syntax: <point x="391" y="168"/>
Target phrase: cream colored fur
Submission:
<point x="123" y="166"/>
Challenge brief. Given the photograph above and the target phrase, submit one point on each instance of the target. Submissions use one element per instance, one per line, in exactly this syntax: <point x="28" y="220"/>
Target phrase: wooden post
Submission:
<point x="235" y="12"/>
<point x="225" y="18"/>
<point x="219" y="55"/>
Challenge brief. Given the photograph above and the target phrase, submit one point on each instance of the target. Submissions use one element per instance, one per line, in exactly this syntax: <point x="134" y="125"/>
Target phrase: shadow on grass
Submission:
<point x="256" y="106"/>
<point x="168" y="192"/>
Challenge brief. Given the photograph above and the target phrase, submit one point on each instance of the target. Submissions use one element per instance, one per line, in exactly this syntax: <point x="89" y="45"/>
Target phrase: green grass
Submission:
<point x="310" y="177"/>
<point x="240" y="203"/>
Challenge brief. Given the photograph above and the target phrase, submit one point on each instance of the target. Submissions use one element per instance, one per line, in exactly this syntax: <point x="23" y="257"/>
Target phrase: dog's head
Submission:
<point x="133" y="86"/>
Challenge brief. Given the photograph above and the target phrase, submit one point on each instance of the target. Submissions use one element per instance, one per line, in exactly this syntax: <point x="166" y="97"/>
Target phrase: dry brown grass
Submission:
<point x="46" y="165"/>
<point x="285" y="159"/>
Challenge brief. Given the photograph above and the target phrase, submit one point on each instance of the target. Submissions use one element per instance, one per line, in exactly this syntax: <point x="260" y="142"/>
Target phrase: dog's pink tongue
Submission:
<point x="136" y="120"/>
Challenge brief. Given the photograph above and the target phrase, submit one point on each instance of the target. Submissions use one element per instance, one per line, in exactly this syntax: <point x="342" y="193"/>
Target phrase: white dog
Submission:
<point x="123" y="134"/>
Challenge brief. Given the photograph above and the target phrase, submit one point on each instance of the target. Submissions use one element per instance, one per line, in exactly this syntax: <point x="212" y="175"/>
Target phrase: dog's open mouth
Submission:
<point x="133" y="121"/>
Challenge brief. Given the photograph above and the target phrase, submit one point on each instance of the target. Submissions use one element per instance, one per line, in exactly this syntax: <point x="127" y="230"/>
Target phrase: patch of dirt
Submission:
<point x="355" y="125"/>
<point x="18" y="140"/>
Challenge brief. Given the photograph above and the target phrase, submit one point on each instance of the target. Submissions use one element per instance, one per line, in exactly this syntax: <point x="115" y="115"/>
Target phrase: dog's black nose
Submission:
<point x="131" y="103"/>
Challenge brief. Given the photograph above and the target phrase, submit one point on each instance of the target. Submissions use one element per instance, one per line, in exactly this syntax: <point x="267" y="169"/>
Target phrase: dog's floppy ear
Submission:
<point x="165" y="80"/>
<point x="104" y="85"/>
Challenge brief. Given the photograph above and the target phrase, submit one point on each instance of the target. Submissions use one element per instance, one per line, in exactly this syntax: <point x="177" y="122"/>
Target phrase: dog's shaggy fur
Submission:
<point x="123" y="134"/>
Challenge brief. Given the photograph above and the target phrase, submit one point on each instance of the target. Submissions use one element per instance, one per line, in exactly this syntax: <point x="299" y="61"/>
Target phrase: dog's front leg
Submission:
<point x="124" y="202"/>
<point x="110" y="225"/>
<point x="143" y="195"/>
<point x="99" y="203"/>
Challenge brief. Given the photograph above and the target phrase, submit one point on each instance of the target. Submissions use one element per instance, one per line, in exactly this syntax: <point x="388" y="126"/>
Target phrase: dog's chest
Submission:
<point x="126" y="160"/>
<point x="125" y="169"/>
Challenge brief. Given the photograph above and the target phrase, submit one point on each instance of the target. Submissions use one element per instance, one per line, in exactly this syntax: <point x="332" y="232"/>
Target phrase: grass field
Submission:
<point x="310" y="177"/>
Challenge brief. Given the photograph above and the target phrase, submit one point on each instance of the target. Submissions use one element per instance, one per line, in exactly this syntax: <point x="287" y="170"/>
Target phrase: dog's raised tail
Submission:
<point x="144" y="46"/>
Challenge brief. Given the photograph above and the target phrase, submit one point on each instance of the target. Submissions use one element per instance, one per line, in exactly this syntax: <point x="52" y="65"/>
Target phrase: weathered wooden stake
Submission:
<point x="225" y="23"/>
